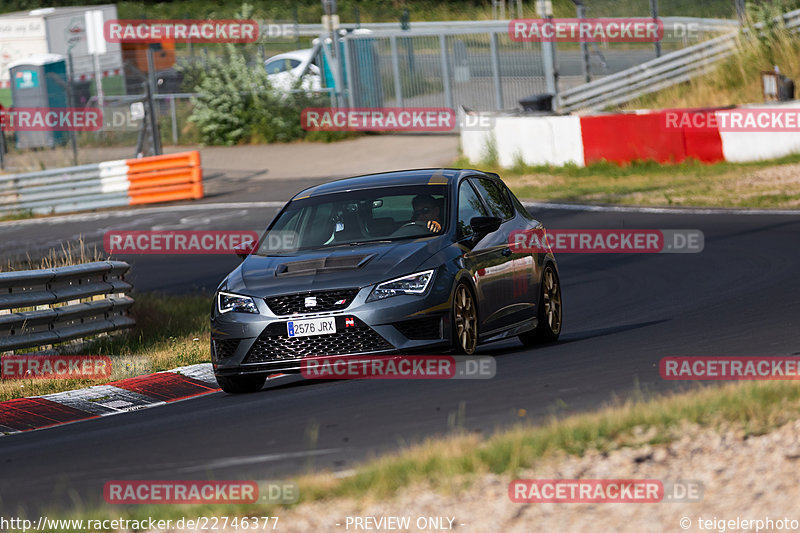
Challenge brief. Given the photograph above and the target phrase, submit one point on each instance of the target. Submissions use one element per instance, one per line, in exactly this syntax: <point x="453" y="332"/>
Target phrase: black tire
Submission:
<point x="464" y="313"/>
<point x="550" y="314"/>
<point x="241" y="384"/>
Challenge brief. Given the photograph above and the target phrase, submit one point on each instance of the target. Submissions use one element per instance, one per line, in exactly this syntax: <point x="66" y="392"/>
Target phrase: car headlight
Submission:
<point x="416" y="283"/>
<point x="235" y="302"/>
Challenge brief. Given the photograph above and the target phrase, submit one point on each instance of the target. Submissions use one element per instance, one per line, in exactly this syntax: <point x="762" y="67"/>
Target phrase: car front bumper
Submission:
<point x="247" y="343"/>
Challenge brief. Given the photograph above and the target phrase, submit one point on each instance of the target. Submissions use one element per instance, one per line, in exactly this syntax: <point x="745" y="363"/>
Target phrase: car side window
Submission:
<point x="520" y="208"/>
<point x="278" y="65"/>
<point x="495" y="197"/>
<point x="469" y="206"/>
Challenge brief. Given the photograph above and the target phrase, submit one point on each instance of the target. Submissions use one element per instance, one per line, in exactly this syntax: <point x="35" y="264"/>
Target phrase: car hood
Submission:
<point x="330" y="268"/>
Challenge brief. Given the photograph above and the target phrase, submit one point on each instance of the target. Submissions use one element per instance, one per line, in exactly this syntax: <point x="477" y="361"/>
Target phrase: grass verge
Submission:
<point x="452" y="463"/>
<point x="19" y="215"/>
<point x="762" y="184"/>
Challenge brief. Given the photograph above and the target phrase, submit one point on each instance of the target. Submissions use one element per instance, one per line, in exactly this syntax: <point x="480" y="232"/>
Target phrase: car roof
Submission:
<point x="302" y="55"/>
<point x="422" y="176"/>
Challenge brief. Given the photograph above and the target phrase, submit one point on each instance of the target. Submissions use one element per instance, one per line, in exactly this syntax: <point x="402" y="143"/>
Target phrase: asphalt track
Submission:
<point x="739" y="297"/>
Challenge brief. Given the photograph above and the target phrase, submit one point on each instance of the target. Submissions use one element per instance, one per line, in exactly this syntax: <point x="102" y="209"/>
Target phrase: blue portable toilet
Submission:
<point x="39" y="81"/>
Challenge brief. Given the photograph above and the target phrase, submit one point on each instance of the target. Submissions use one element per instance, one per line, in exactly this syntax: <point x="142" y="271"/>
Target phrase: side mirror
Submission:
<point x="244" y="249"/>
<point x="484" y="225"/>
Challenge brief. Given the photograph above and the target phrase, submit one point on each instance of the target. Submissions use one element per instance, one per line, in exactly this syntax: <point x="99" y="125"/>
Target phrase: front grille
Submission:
<point x="274" y="346"/>
<point x="225" y="348"/>
<point x="290" y="304"/>
<point x="420" y="328"/>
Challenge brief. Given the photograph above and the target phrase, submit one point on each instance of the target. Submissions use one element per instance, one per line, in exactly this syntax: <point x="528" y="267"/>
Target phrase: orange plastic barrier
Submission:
<point x="165" y="178"/>
<point x="158" y="162"/>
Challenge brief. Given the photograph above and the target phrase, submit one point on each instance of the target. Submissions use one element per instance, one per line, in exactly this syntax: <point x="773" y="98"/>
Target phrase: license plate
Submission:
<point x="312" y="326"/>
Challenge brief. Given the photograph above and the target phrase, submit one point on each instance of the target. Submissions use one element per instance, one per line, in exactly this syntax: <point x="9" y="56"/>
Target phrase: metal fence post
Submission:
<point x="549" y="67"/>
<point x="151" y="112"/>
<point x="587" y="76"/>
<point x="398" y="86"/>
<point x="548" y="54"/>
<point x="741" y="12"/>
<point x="71" y="99"/>
<point x="448" y="90"/>
<point x="349" y="83"/>
<point x="151" y="72"/>
<point x="654" y="13"/>
<point x="2" y="147"/>
<point x="498" y="89"/>
<point x="174" y="115"/>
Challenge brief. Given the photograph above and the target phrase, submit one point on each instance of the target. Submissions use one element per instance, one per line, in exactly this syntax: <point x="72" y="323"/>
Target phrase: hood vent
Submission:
<point x="320" y="265"/>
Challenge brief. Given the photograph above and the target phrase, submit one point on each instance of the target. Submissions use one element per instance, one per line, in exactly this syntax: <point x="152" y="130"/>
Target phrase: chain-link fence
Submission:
<point x="480" y="70"/>
<point x="485" y="69"/>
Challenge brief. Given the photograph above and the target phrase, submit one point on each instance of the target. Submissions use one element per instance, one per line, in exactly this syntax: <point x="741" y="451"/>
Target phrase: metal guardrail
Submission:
<point x="48" y="304"/>
<point x="656" y="74"/>
<point x="93" y="186"/>
<point x="101" y="185"/>
<point x="651" y="76"/>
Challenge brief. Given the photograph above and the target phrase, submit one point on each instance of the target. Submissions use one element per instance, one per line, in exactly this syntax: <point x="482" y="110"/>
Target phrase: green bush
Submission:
<point x="238" y="105"/>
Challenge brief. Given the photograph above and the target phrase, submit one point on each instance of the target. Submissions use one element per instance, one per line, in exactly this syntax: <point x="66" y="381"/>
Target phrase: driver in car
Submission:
<point x="427" y="211"/>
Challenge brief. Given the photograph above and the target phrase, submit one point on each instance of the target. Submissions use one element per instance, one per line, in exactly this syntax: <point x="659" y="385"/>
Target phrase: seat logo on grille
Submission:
<point x="311" y="301"/>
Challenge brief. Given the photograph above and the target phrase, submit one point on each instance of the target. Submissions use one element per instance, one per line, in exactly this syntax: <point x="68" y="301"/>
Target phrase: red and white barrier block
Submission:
<point x="748" y="133"/>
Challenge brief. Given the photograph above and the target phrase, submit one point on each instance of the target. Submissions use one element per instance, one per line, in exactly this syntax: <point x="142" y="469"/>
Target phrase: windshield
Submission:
<point x="379" y="214"/>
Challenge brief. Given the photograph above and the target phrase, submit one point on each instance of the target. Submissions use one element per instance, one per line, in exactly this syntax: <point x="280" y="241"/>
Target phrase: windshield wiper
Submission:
<point x="356" y="243"/>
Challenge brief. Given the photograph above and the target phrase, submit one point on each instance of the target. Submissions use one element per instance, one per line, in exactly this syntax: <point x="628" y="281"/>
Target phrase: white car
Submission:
<point x="284" y="71"/>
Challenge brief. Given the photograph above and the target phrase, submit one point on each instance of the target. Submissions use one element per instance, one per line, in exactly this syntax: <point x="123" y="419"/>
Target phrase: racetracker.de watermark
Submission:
<point x="33" y="366"/>
<point x="607" y="241"/>
<point x="587" y="30"/>
<point x="51" y="119"/>
<point x="729" y="368"/>
<point x="378" y="119"/>
<point x="179" y="242"/>
<point x="605" y="491"/>
<point x="181" y="31"/>
<point x="398" y="367"/>
<point x="735" y="120"/>
<point x="199" y="492"/>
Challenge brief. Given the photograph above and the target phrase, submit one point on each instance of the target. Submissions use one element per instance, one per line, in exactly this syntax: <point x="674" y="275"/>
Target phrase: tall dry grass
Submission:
<point x="68" y="254"/>
<point x="737" y="80"/>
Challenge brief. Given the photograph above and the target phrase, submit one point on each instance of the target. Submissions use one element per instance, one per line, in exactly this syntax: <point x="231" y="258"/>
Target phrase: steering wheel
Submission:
<point x="412" y="223"/>
<point x="405" y="230"/>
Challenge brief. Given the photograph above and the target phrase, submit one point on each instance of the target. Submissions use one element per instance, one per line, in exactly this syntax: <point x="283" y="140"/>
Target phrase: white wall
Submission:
<point x="742" y="146"/>
<point x="535" y="140"/>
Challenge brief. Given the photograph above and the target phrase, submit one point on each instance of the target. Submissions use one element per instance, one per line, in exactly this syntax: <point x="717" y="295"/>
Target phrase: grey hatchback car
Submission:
<point x="406" y="262"/>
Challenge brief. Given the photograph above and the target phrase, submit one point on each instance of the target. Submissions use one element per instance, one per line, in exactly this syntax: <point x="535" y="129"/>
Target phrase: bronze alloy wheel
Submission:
<point x="549" y="316"/>
<point x="551" y="299"/>
<point x="465" y="319"/>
